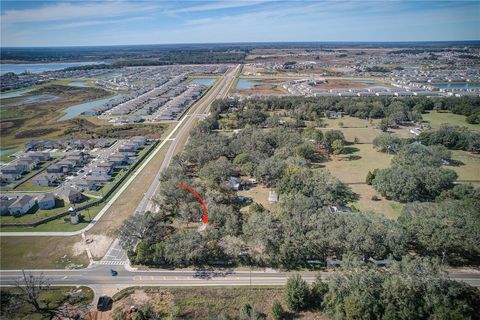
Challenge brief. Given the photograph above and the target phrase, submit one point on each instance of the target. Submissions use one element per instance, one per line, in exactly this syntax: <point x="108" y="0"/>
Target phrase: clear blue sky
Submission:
<point x="64" y="23"/>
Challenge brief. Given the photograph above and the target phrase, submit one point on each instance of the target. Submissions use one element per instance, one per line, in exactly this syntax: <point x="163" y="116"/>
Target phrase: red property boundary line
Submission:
<point x="205" y="212"/>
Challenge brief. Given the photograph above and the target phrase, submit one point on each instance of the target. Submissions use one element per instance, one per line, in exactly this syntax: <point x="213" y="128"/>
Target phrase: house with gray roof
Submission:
<point x="12" y="169"/>
<point x="5" y="202"/>
<point x="22" y="205"/>
<point x="46" y="179"/>
<point x="70" y="195"/>
<point x="46" y="201"/>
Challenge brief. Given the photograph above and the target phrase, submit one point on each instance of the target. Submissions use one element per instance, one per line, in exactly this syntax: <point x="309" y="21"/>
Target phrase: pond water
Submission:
<point x="40" y="67"/>
<point x="33" y="99"/>
<point x="75" y="110"/>
<point x="363" y="81"/>
<point x="205" y="81"/>
<point x="14" y="94"/>
<point x="79" y="84"/>
<point x="457" y="86"/>
<point x="247" y="84"/>
<point x="6" y="151"/>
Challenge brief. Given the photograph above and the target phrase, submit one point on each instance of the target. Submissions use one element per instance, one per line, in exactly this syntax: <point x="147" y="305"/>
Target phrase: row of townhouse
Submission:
<point x="19" y="205"/>
<point x="55" y="172"/>
<point x="68" y="144"/>
<point x="102" y="172"/>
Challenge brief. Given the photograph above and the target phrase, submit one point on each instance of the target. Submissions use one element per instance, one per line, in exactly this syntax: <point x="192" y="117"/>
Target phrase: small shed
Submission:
<point x="272" y="196"/>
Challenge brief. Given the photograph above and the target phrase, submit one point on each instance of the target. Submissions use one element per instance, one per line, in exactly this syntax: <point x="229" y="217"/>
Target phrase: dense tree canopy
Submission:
<point x="410" y="289"/>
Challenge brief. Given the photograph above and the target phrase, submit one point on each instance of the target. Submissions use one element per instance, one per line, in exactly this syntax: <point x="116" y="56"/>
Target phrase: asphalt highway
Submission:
<point x="100" y="275"/>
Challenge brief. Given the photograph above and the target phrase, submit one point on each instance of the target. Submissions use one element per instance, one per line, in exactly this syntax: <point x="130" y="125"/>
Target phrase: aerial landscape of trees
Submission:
<point x="413" y="288"/>
<point x="301" y="227"/>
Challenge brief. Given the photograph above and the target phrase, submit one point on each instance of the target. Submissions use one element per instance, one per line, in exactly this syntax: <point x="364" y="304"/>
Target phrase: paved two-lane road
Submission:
<point x="100" y="275"/>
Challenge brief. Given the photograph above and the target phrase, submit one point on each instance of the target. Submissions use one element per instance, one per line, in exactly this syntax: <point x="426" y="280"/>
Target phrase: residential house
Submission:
<point x="78" y="157"/>
<point x="46" y="179"/>
<point x="86" y="184"/>
<point x="9" y="177"/>
<point x="5" y="202"/>
<point x="99" y="178"/>
<point x="127" y="147"/>
<point x="12" y="169"/>
<point x="56" y="168"/>
<point x="105" y="164"/>
<point x="27" y="164"/>
<point x="334" y="114"/>
<point x="21" y="205"/>
<point x="103" y="143"/>
<point x="101" y="171"/>
<point x="70" y="195"/>
<point x="140" y="141"/>
<point x="67" y="164"/>
<point x="118" y="159"/>
<point x="41" y="156"/>
<point x="46" y="201"/>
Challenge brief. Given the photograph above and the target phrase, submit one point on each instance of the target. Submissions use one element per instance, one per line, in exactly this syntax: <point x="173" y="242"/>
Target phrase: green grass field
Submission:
<point x="469" y="169"/>
<point x="7" y="152"/>
<point x="40" y="252"/>
<point x="436" y="119"/>
<point x="202" y="302"/>
<point x="352" y="128"/>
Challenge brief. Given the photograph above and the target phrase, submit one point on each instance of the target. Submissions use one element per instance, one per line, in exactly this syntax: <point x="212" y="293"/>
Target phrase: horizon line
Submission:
<point x="249" y="42"/>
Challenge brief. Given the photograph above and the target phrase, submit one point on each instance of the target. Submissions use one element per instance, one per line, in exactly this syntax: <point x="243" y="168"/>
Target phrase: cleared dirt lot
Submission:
<point x="40" y="252"/>
<point x="204" y="302"/>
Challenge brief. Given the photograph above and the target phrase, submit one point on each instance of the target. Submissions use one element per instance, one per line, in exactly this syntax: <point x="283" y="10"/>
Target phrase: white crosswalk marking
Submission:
<point x="110" y="262"/>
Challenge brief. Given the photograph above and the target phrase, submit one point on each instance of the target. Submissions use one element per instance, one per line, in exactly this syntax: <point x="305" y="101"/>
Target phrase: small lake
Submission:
<point x="73" y="111"/>
<point x="79" y="84"/>
<point x="363" y="81"/>
<point x="7" y="150"/>
<point x="33" y="99"/>
<point x="205" y="81"/>
<point x="40" y="67"/>
<point x="14" y="94"/>
<point x="456" y="86"/>
<point x="247" y="84"/>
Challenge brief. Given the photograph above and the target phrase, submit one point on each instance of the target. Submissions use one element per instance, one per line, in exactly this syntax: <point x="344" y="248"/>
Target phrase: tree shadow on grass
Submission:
<point x="455" y="163"/>
<point x="349" y="150"/>
<point x="354" y="157"/>
<point x="317" y="166"/>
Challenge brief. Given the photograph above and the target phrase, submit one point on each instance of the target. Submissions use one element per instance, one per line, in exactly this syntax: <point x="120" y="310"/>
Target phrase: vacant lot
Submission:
<point x="352" y="128"/>
<point x="436" y="119"/>
<point x="205" y="302"/>
<point x="389" y="208"/>
<point x="39" y="252"/>
<point x="258" y="194"/>
<point x="469" y="165"/>
<point x="363" y="158"/>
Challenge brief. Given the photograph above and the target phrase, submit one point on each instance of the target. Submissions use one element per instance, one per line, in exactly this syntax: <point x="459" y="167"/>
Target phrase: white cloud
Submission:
<point x="89" y="23"/>
<point x="70" y="11"/>
<point x="218" y="5"/>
